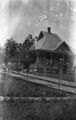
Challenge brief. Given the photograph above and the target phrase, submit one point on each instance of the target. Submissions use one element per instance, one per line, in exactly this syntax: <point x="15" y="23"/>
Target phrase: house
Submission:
<point x="52" y="53"/>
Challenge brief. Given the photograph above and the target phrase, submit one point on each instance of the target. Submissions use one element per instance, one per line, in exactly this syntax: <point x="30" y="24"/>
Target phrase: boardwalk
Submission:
<point x="50" y="82"/>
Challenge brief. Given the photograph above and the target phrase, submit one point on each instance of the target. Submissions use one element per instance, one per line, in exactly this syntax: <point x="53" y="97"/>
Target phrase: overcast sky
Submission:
<point x="18" y="18"/>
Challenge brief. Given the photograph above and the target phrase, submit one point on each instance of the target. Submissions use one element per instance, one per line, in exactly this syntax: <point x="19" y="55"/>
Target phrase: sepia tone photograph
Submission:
<point x="37" y="60"/>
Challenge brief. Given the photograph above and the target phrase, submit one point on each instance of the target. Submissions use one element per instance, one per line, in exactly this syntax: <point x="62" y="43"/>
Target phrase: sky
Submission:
<point x="18" y="18"/>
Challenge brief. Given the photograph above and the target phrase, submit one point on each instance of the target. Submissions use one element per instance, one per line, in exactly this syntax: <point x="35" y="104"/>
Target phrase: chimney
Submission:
<point x="49" y="30"/>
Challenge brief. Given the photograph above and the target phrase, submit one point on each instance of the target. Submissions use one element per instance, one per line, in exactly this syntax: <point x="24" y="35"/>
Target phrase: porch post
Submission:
<point x="44" y="64"/>
<point x="75" y="71"/>
<point x="37" y="61"/>
<point x="51" y="60"/>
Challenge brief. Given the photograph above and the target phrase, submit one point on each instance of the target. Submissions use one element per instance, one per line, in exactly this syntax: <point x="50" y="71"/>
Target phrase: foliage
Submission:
<point x="18" y="53"/>
<point x="28" y="44"/>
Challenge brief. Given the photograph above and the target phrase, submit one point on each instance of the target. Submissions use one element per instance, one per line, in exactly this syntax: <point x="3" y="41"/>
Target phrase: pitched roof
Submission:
<point x="64" y="48"/>
<point x="47" y="41"/>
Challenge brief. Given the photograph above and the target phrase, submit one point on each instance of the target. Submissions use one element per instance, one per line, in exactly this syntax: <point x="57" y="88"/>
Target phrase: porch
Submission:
<point x="53" y="62"/>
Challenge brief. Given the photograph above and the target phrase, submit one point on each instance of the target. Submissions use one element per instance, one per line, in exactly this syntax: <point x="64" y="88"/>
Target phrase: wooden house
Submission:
<point x="52" y="53"/>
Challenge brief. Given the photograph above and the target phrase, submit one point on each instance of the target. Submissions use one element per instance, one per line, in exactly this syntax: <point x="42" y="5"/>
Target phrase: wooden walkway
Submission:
<point x="58" y="84"/>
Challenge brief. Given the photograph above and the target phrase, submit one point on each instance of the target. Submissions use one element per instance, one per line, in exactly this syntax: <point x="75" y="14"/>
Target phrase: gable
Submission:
<point x="64" y="47"/>
<point x="40" y="36"/>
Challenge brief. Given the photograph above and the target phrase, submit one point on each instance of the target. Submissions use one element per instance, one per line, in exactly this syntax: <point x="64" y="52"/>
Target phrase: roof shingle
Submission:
<point x="49" y="41"/>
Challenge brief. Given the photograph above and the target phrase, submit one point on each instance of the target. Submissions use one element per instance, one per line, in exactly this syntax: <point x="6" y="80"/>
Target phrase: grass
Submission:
<point x="40" y="110"/>
<point x="67" y="77"/>
<point x="55" y="109"/>
<point x="11" y="86"/>
<point x="22" y="88"/>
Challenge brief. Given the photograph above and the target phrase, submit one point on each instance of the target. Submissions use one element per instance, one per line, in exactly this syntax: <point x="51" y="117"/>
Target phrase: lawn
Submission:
<point x="57" y="108"/>
<point x="11" y="86"/>
<point x="40" y="110"/>
<point x="67" y="77"/>
<point x="22" y="88"/>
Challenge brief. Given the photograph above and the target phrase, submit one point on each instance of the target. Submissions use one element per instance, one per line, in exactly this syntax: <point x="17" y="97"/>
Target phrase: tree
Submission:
<point x="28" y="45"/>
<point x="18" y="53"/>
<point x="10" y="51"/>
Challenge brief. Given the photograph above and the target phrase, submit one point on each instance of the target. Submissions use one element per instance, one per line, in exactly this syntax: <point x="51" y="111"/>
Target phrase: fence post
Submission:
<point x="61" y="70"/>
